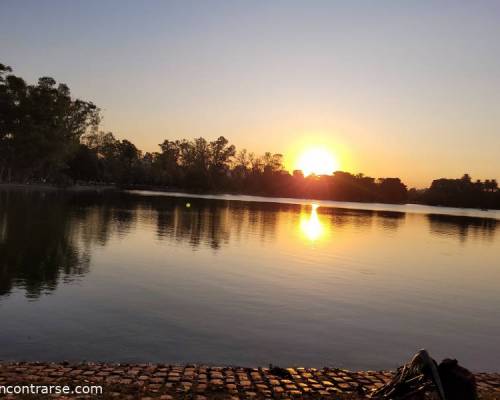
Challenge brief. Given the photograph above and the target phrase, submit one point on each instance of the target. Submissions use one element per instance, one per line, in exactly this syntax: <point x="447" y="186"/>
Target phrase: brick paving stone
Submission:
<point x="159" y="381"/>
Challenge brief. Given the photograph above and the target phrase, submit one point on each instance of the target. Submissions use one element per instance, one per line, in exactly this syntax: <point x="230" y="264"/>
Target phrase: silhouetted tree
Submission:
<point x="46" y="135"/>
<point x="40" y="128"/>
<point x="392" y="190"/>
<point x="84" y="166"/>
<point x="462" y="193"/>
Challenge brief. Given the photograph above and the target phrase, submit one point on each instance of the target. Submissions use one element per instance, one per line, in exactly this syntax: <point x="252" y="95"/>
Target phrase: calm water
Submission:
<point x="143" y="277"/>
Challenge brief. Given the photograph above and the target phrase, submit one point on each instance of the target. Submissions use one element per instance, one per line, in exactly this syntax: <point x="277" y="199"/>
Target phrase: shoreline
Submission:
<point x="49" y="187"/>
<point x="202" y="382"/>
<point x="350" y="205"/>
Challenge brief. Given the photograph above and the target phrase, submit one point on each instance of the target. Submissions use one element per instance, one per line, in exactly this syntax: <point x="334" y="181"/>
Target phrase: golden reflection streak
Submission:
<point x="310" y="225"/>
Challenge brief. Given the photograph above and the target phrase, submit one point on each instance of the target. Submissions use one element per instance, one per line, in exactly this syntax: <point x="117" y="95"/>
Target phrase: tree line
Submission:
<point x="48" y="136"/>
<point x="462" y="192"/>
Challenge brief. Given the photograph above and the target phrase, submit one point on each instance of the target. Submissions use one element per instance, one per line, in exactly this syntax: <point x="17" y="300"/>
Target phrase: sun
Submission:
<point x="318" y="161"/>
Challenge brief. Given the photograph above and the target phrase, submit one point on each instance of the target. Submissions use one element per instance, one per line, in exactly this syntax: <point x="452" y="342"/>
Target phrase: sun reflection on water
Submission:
<point x="310" y="225"/>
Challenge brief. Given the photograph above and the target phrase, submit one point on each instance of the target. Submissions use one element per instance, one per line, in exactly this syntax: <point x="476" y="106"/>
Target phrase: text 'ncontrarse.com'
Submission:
<point x="49" y="390"/>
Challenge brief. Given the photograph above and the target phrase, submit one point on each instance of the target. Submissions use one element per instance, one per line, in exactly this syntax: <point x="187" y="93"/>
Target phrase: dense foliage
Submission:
<point x="47" y="136"/>
<point x="40" y="127"/>
<point x="461" y="192"/>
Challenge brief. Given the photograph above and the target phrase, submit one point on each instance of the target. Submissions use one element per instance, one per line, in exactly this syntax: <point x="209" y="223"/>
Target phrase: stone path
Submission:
<point x="145" y="381"/>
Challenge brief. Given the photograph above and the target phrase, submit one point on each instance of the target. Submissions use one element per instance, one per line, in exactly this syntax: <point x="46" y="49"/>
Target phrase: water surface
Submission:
<point x="154" y="277"/>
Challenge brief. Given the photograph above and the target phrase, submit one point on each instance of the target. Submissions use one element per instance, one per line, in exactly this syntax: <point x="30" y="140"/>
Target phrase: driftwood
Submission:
<point x="421" y="377"/>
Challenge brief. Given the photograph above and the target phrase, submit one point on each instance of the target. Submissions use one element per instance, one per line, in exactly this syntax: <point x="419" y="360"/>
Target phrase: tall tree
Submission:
<point x="41" y="126"/>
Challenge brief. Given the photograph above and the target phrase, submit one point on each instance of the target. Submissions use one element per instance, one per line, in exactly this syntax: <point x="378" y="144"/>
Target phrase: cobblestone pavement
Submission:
<point x="150" y="381"/>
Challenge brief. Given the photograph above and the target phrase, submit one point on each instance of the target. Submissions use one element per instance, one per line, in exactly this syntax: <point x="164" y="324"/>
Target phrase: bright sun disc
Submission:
<point x="317" y="161"/>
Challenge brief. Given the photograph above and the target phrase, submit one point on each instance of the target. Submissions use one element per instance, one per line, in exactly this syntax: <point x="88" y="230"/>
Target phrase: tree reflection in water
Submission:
<point x="462" y="227"/>
<point x="48" y="236"/>
<point x="36" y="246"/>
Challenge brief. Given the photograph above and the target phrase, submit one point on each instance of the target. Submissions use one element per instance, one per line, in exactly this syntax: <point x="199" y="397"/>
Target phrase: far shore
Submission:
<point x="419" y="208"/>
<point x="178" y="192"/>
<point x="48" y="186"/>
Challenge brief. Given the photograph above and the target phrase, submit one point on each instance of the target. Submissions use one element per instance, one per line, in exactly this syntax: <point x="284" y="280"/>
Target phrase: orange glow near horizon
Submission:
<point x="318" y="161"/>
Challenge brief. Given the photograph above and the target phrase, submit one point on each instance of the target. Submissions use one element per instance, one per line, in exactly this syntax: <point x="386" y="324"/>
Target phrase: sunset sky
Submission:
<point x="391" y="88"/>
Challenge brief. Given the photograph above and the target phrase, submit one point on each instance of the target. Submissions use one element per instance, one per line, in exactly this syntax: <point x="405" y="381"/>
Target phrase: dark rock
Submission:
<point x="281" y="372"/>
<point x="458" y="382"/>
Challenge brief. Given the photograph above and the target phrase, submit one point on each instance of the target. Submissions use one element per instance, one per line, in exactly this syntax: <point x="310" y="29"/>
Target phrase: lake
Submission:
<point x="155" y="277"/>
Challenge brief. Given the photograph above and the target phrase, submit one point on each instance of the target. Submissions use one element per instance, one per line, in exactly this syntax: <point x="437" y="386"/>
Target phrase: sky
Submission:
<point x="391" y="88"/>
